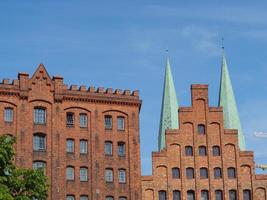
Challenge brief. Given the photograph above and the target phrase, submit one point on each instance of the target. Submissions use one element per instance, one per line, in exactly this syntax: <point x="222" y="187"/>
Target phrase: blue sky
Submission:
<point x="121" y="44"/>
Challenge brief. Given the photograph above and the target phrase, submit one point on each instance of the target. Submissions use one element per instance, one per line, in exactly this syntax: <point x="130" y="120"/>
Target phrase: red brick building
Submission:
<point x="86" y="139"/>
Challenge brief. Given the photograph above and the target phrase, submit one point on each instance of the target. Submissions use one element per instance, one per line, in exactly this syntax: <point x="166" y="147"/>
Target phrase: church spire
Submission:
<point x="227" y="101"/>
<point x="169" y="107"/>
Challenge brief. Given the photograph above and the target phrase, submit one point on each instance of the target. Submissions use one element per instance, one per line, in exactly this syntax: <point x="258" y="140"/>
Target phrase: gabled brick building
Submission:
<point x="86" y="139"/>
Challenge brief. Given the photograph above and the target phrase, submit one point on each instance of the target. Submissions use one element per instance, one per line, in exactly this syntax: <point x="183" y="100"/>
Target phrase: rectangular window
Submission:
<point x="216" y="151"/>
<point x="8" y="115"/>
<point x="121" y="149"/>
<point x="83" y="146"/>
<point x="70" y="197"/>
<point x="246" y="195"/>
<point x="175" y="173"/>
<point x="108" y="148"/>
<point x="39" y="116"/>
<point x="83" y="120"/>
<point x="108" y="122"/>
<point x="120" y="123"/>
<point x="189" y="173"/>
<point x="217" y="173"/>
<point x="218" y="195"/>
<point x="204" y="195"/>
<point x="202" y="151"/>
<point x="70" y="145"/>
<point x="232" y="195"/>
<point x="39" y="165"/>
<point x="83" y="174"/>
<point x="109" y="175"/>
<point x="70" y="173"/>
<point x="122" y="176"/>
<point x="39" y="142"/>
<point x="203" y="173"/>
<point x="83" y="197"/>
<point x="162" y="195"/>
<point x="176" y="195"/>
<point x="188" y="151"/>
<point x="70" y="119"/>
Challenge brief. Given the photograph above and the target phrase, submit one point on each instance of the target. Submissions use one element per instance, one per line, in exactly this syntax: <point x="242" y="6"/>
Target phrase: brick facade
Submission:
<point x="52" y="95"/>
<point x="173" y="156"/>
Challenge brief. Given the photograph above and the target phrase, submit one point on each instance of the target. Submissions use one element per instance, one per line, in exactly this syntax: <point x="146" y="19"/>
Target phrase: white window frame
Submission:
<point x="8" y="113"/>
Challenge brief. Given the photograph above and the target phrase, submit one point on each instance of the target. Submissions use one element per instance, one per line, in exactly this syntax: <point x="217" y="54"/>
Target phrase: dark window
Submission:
<point x="84" y="197"/>
<point x="8" y="115"/>
<point x="162" y="195"/>
<point x="204" y="195"/>
<point x="232" y="195"/>
<point x="202" y="151"/>
<point x="176" y="195"/>
<point x="201" y="129"/>
<point x="190" y="195"/>
<point x="217" y="173"/>
<point x="216" y="151"/>
<point x="108" y="122"/>
<point x="70" y="146"/>
<point x="190" y="173"/>
<point x="218" y="195"/>
<point x="83" y="120"/>
<point x="70" y="119"/>
<point x="246" y="195"/>
<point x="175" y="173"/>
<point x="203" y="173"/>
<point x="39" y="142"/>
<point x="121" y="148"/>
<point x="108" y="148"/>
<point x="39" y="115"/>
<point x="188" y="151"/>
<point x="231" y="172"/>
<point x="121" y="123"/>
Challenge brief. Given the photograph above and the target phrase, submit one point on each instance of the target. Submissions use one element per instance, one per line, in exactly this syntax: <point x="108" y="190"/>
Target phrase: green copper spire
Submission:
<point x="169" y="107"/>
<point x="227" y="101"/>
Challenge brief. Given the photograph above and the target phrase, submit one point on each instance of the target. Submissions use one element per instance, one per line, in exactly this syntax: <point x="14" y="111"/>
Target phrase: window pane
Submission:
<point x="83" y="146"/>
<point x="176" y="195"/>
<point x="70" y="197"/>
<point x="188" y="151"/>
<point x="70" y="119"/>
<point x="246" y="195"/>
<point x="39" y="116"/>
<point x="39" y="165"/>
<point x="83" y="120"/>
<point x="108" y="148"/>
<point x="175" y="173"/>
<point x="218" y="195"/>
<point x="203" y="173"/>
<point x="201" y="129"/>
<point x="204" y="195"/>
<point x="108" y="122"/>
<point x="109" y="175"/>
<point x="216" y="151"/>
<point x="39" y="142"/>
<point x="122" y="198"/>
<point x="190" y="195"/>
<point x="217" y="172"/>
<point x="83" y="174"/>
<point x="231" y="173"/>
<point x="121" y="149"/>
<point x="122" y="176"/>
<point x="162" y="195"/>
<point x="109" y="198"/>
<point x="120" y="123"/>
<point x="84" y="197"/>
<point x="232" y="195"/>
<point x="190" y="173"/>
<point x="70" y="173"/>
<point x="70" y="145"/>
<point x="202" y="151"/>
<point x="8" y="115"/>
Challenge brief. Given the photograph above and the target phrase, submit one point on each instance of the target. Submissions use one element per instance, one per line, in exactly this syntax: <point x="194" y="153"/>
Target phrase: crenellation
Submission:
<point x="82" y="88"/>
<point x="109" y="90"/>
<point x="73" y="88"/>
<point x="91" y="89"/>
<point x="127" y="92"/>
<point x="100" y="90"/>
<point x="15" y="82"/>
<point x="135" y="93"/>
<point x="118" y="92"/>
<point x="6" y="81"/>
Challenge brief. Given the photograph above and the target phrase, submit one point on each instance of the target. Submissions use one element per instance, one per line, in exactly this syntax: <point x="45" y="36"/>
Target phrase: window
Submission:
<point x="120" y="123"/>
<point x="175" y="173"/>
<point x="203" y="173"/>
<point x="70" y="173"/>
<point x="83" y="146"/>
<point x="70" y="146"/>
<point x="217" y="173"/>
<point x="232" y="195"/>
<point x="39" y="142"/>
<point x="8" y="115"/>
<point x="39" y="165"/>
<point x="201" y="129"/>
<point x="109" y="175"/>
<point x="70" y="119"/>
<point x="162" y="195"/>
<point x="39" y="116"/>
<point x="216" y="151"/>
<point x="84" y="197"/>
<point x="121" y="149"/>
<point x="204" y="195"/>
<point x="176" y="195"/>
<point x="190" y="195"/>
<point x="246" y="195"/>
<point x="189" y="173"/>
<point x="122" y="176"/>
<point x="202" y="151"/>
<point x="231" y="172"/>
<point x="83" y="120"/>
<point x="188" y="151"/>
<point x="70" y="197"/>
<point x="109" y="198"/>
<point x="218" y="195"/>
<point x="122" y="198"/>
<point x="83" y="174"/>
<point x="108" y="122"/>
<point x="108" y="148"/>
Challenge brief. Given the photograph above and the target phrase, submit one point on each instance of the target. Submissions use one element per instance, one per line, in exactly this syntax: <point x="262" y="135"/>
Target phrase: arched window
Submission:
<point x="189" y="151"/>
<point x="8" y="114"/>
<point x="83" y="174"/>
<point x="246" y="194"/>
<point x="109" y="175"/>
<point x="84" y="197"/>
<point x="70" y="173"/>
<point x="39" y="115"/>
<point x="121" y="148"/>
<point x="83" y="120"/>
<point x="176" y="195"/>
<point x="108" y="122"/>
<point x="216" y="151"/>
<point x="70" y="197"/>
<point x="217" y="172"/>
<point x="120" y="123"/>
<point x="203" y="173"/>
<point x="122" y="176"/>
<point x="70" y="119"/>
<point x="70" y="145"/>
<point x="202" y="150"/>
<point x="39" y="142"/>
<point x="189" y="173"/>
<point x="231" y="173"/>
<point x="108" y="148"/>
<point x="201" y="129"/>
<point x="109" y="198"/>
<point x="175" y="173"/>
<point x="190" y="195"/>
<point x="39" y="165"/>
<point x="204" y="195"/>
<point x="162" y="195"/>
<point x="122" y="198"/>
<point x="232" y="195"/>
<point x="218" y="195"/>
<point x="83" y="146"/>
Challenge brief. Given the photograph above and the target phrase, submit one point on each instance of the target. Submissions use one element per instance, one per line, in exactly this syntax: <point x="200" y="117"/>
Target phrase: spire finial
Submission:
<point x="222" y="43"/>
